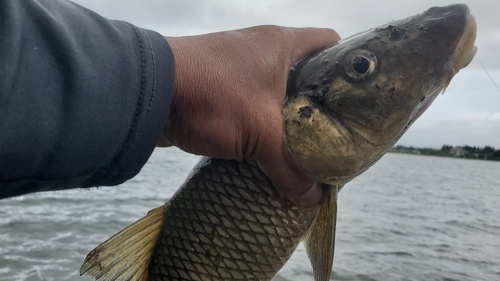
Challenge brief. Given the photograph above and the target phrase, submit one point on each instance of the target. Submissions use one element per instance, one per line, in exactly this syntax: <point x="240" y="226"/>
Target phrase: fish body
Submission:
<point x="228" y="223"/>
<point x="346" y="107"/>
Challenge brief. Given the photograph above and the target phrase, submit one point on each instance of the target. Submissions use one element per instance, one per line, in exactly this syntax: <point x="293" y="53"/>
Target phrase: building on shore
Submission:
<point x="458" y="152"/>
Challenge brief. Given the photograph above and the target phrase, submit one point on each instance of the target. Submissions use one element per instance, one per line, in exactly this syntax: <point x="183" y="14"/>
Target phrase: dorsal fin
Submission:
<point x="320" y="240"/>
<point x="126" y="255"/>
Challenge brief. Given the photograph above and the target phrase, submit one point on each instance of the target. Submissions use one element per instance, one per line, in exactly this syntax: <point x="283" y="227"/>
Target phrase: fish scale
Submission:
<point x="228" y="222"/>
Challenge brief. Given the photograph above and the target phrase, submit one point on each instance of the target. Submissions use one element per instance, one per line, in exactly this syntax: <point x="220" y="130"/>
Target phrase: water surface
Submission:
<point x="407" y="218"/>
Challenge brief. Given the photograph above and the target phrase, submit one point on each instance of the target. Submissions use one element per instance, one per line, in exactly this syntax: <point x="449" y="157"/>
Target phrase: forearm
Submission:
<point x="83" y="99"/>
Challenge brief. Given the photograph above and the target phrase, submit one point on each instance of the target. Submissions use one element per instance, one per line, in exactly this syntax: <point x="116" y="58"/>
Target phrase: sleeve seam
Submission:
<point x="143" y="87"/>
<point x="154" y="72"/>
<point x="141" y="96"/>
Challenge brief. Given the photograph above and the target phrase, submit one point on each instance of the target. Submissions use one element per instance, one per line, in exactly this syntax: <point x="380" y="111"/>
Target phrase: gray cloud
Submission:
<point x="474" y="130"/>
<point x="467" y="113"/>
<point x="458" y="117"/>
<point x="187" y="17"/>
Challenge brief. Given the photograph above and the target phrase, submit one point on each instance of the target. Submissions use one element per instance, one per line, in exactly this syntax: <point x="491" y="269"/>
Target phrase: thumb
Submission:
<point x="290" y="182"/>
<point x="307" y="40"/>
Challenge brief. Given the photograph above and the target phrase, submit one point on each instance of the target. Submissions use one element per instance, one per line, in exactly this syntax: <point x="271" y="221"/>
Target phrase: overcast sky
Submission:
<point x="467" y="114"/>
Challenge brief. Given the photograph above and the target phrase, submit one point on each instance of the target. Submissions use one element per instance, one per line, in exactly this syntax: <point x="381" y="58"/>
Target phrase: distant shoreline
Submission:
<point x="465" y="152"/>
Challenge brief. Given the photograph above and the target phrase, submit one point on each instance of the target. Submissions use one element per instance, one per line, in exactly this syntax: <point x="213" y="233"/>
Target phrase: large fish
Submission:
<point x="346" y="107"/>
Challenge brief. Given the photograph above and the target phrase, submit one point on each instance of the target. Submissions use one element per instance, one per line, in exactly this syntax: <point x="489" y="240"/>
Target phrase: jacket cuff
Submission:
<point x="153" y="108"/>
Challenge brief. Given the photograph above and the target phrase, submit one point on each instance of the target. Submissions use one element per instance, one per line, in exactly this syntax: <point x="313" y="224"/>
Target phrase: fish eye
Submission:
<point x="360" y="64"/>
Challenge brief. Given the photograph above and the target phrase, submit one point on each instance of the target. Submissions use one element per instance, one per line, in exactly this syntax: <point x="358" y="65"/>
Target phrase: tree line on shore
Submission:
<point x="470" y="152"/>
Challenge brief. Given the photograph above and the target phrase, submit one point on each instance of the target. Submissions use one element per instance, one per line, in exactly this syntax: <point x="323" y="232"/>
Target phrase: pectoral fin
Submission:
<point x="320" y="240"/>
<point x="126" y="256"/>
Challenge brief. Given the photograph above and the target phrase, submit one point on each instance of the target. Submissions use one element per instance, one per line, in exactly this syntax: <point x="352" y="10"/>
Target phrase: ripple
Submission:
<point x="407" y="218"/>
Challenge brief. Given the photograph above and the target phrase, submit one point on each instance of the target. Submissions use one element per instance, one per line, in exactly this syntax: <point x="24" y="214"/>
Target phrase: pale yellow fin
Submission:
<point x="320" y="240"/>
<point x="126" y="255"/>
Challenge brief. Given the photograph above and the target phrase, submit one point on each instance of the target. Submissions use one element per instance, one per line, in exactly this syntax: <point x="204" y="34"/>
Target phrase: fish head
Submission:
<point x="349" y="104"/>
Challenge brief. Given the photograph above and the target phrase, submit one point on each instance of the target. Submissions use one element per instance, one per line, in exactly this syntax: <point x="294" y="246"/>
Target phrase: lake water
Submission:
<point x="408" y="218"/>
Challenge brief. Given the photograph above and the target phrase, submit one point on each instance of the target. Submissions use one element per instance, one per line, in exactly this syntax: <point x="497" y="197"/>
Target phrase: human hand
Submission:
<point x="229" y="93"/>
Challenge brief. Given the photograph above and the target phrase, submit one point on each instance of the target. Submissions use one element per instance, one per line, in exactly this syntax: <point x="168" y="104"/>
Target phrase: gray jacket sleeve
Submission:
<point x="83" y="99"/>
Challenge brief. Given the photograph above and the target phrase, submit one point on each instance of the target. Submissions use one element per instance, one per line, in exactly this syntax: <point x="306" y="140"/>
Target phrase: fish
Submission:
<point x="346" y="106"/>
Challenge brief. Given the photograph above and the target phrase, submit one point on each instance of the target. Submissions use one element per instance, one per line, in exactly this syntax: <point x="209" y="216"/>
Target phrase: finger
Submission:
<point x="275" y="161"/>
<point x="292" y="183"/>
<point x="307" y="40"/>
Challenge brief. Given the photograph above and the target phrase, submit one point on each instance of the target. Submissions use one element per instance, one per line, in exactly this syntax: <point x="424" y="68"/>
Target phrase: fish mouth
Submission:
<point x="460" y="58"/>
<point x="465" y="50"/>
